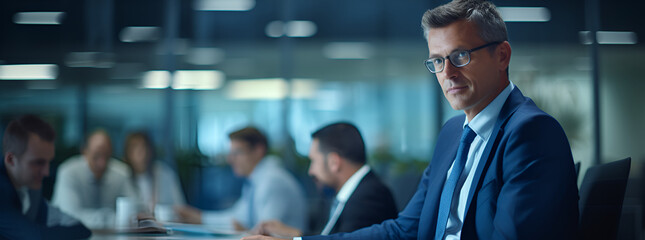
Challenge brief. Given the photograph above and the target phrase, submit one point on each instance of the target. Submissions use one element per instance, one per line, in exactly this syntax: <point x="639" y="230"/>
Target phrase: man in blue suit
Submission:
<point x="28" y="147"/>
<point x="504" y="170"/>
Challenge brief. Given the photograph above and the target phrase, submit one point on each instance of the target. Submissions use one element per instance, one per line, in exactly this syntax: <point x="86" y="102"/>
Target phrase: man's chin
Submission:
<point x="319" y="185"/>
<point x="239" y="174"/>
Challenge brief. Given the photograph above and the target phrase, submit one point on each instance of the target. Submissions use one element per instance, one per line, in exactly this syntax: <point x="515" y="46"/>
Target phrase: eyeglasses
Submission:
<point x="458" y="58"/>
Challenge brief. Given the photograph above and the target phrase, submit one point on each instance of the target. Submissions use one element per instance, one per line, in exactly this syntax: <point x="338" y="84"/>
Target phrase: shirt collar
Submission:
<point x="483" y="123"/>
<point x="23" y="195"/>
<point x="256" y="174"/>
<point x="350" y="185"/>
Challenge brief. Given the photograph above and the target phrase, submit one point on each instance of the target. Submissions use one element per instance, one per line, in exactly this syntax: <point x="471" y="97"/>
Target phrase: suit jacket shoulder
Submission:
<point x="371" y="203"/>
<point x="15" y="225"/>
<point x="9" y="197"/>
<point x="526" y="161"/>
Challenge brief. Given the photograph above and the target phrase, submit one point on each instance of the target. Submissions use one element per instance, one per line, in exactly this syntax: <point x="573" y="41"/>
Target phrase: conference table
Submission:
<point x="172" y="231"/>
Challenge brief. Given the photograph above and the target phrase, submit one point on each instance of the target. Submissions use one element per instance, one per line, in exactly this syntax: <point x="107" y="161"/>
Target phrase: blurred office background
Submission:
<point x="189" y="72"/>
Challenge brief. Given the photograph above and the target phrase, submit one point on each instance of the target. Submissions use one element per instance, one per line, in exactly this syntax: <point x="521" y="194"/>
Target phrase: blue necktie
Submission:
<point x="248" y="187"/>
<point x="467" y="138"/>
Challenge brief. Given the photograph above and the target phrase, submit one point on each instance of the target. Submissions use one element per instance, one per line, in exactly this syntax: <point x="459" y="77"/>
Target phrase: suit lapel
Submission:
<point x="359" y="187"/>
<point x="445" y="153"/>
<point x="512" y="103"/>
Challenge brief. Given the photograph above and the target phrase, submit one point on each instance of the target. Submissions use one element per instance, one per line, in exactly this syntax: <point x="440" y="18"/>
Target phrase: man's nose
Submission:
<point x="449" y="70"/>
<point x="46" y="170"/>
<point x="103" y="162"/>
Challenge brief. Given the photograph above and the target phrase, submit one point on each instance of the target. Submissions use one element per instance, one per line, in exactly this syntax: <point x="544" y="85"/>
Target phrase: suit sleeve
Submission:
<point x="14" y="225"/>
<point x="539" y="196"/>
<point x="405" y="226"/>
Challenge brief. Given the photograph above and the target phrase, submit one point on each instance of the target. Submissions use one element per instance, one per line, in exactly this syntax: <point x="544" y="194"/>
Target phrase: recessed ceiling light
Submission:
<point x="41" y="18"/>
<point x="140" y="34"/>
<point x="28" y="72"/>
<point x="525" y="14"/>
<point x="224" y="5"/>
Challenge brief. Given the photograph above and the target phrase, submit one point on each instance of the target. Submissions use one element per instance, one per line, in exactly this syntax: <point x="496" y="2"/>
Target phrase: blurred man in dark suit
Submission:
<point x="338" y="160"/>
<point x="28" y="147"/>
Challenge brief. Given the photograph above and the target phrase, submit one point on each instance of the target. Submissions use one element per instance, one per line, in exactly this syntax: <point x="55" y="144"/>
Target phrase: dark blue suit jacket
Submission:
<point x="524" y="186"/>
<point x="371" y="202"/>
<point x="15" y="225"/>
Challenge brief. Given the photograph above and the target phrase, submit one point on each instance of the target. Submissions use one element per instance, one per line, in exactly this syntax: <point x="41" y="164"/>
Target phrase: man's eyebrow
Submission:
<point x="435" y="55"/>
<point x="458" y="48"/>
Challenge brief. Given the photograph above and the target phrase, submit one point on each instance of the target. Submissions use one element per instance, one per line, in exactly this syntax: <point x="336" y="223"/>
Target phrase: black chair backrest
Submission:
<point x="601" y="199"/>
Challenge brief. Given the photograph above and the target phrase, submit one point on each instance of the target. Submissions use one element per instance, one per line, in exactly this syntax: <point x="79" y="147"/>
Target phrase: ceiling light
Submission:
<point x="609" y="37"/>
<point x="41" y="18"/>
<point x="28" y="72"/>
<point x="274" y="29"/>
<point x="139" y="34"/>
<point x="613" y="37"/>
<point x="300" y="28"/>
<point x="198" y="79"/>
<point x="291" y="29"/>
<point x="224" y="5"/>
<point x="268" y="88"/>
<point x="302" y="88"/>
<point x="156" y="79"/>
<point x="525" y="14"/>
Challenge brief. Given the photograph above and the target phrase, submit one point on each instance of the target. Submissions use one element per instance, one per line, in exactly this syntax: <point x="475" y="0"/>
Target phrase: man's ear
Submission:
<point x="9" y="159"/>
<point x="333" y="162"/>
<point x="504" y="54"/>
<point x="259" y="151"/>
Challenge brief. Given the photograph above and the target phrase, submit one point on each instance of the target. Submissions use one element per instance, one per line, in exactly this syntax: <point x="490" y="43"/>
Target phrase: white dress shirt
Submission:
<point x="343" y="195"/>
<point x="159" y="188"/>
<point x="23" y="195"/>
<point x="273" y="194"/>
<point x="92" y="201"/>
<point x="482" y="124"/>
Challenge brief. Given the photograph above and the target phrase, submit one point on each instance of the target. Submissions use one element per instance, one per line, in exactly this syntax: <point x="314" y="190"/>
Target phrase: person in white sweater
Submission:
<point x="155" y="183"/>
<point x="88" y="185"/>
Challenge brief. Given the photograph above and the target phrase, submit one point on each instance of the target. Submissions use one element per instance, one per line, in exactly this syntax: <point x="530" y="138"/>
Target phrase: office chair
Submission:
<point x="601" y="199"/>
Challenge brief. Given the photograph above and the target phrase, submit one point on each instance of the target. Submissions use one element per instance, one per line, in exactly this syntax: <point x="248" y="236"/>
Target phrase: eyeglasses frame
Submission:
<point x="428" y="61"/>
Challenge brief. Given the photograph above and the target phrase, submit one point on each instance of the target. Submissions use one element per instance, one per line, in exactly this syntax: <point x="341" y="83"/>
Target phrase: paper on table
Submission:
<point x="203" y="229"/>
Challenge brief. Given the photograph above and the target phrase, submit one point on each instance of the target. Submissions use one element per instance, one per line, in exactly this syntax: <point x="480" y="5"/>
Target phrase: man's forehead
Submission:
<point x="39" y="147"/>
<point x="237" y="143"/>
<point x="99" y="141"/>
<point x="456" y="36"/>
<point x="98" y="137"/>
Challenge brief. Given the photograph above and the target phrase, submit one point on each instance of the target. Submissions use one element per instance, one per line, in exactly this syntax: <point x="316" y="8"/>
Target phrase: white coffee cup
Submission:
<point x="126" y="212"/>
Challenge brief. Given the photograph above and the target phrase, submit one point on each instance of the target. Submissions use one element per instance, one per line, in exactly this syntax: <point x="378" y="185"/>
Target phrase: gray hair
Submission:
<point x="483" y="13"/>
